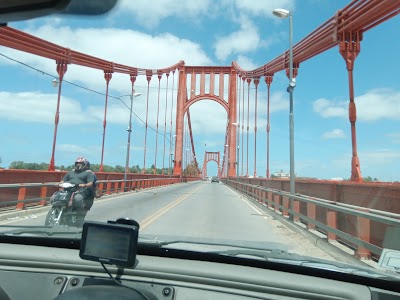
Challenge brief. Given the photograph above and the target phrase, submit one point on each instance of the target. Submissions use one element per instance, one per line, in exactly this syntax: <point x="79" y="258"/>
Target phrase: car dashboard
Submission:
<point x="38" y="272"/>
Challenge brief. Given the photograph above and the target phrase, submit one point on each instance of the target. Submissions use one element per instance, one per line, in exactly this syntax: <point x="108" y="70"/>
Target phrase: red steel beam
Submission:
<point x="359" y="15"/>
<point x="22" y="41"/>
<point x="191" y="139"/>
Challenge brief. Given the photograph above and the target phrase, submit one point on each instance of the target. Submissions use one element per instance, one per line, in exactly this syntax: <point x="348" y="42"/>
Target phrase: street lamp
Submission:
<point x="283" y="13"/>
<point x="129" y="129"/>
<point x="54" y="82"/>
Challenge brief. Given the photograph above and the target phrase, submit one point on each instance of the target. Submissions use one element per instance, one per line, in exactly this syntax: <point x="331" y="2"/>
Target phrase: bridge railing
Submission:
<point x="361" y="218"/>
<point x="22" y="195"/>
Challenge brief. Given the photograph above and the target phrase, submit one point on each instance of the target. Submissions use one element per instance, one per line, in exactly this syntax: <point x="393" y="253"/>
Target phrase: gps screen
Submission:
<point x="109" y="243"/>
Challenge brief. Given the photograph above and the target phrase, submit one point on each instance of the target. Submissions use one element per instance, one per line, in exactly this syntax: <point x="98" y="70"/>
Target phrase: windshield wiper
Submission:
<point x="271" y="254"/>
<point x="209" y="242"/>
<point x="42" y="230"/>
<point x="286" y="257"/>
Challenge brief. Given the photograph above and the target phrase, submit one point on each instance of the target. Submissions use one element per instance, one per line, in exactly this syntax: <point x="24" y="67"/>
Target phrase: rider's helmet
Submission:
<point x="81" y="163"/>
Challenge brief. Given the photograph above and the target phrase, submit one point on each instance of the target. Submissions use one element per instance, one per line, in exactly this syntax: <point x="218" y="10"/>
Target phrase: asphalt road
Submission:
<point x="198" y="209"/>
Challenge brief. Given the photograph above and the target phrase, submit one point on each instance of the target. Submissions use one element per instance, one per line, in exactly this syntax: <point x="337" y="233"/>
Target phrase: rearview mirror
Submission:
<point x="17" y="10"/>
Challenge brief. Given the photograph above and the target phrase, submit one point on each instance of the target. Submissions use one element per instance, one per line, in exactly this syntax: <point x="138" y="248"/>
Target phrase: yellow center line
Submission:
<point x="150" y="219"/>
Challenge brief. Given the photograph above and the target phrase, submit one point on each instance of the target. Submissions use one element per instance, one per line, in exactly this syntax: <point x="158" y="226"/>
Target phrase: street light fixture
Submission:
<point x="54" y="82"/>
<point x="283" y="13"/>
<point x="129" y="129"/>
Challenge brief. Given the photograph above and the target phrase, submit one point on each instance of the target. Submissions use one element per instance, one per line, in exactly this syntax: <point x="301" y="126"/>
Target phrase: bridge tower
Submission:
<point x="209" y="77"/>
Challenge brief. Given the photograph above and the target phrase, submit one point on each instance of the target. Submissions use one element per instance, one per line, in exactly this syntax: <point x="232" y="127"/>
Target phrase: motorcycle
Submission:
<point x="65" y="208"/>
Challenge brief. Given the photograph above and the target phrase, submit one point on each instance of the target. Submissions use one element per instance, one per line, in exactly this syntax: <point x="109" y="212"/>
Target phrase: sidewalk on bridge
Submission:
<point x="23" y="213"/>
<point x="333" y="248"/>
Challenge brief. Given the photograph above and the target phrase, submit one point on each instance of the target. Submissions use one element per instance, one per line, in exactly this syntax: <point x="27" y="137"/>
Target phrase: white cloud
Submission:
<point x="194" y="11"/>
<point x="72" y="148"/>
<point x="370" y="159"/>
<point x="328" y="109"/>
<point x="263" y="8"/>
<point x="334" y="134"/>
<point x="127" y="47"/>
<point x="379" y="104"/>
<point x="208" y="118"/>
<point x="37" y="107"/>
<point x="379" y="157"/>
<point x="246" y="63"/>
<point x="375" y="105"/>
<point x="395" y="137"/>
<point x="41" y="108"/>
<point x="279" y="101"/>
<point x="152" y="15"/>
<point x="244" y="40"/>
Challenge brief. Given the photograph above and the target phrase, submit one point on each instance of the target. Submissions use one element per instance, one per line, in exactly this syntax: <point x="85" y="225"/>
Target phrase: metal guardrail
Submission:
<point x="272" y="198"/>
<point x="105" y="186"/>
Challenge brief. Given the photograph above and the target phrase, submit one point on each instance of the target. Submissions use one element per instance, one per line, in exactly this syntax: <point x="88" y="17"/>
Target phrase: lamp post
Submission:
<point x="129" y="129"/>
<point x="55" y="83"/>
<point x="227" y="162"/>
<point x="238" y="147"/>
<point x="283" y="13"/>
<point x="171" y="164"/>
<point x="237" y="163"/>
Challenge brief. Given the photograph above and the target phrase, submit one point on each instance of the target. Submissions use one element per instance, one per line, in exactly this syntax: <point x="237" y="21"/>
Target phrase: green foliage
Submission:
<point x="21" y="165"/>
<point x="191" y="170"/>
<point x="369" y="179"/>
<point x="135" y="169"/>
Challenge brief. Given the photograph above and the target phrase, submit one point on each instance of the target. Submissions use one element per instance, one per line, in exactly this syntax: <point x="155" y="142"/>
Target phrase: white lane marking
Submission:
<point x="261" y="213"/>
<point x="150" y="219"/>
<point x="254" y="208"/>
<point x="23" y="218"/>
<point x="106" y="199"/>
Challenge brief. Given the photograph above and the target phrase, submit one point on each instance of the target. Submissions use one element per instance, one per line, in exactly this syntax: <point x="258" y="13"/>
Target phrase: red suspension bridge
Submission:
<point x="345" y="30"/>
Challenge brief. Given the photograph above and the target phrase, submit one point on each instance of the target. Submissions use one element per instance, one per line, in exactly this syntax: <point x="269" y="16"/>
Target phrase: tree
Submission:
<point x="191" y="169"/>
<point x="119" y="169"/>
<point x="17" y="165"/>
<point x="367" y="179"/>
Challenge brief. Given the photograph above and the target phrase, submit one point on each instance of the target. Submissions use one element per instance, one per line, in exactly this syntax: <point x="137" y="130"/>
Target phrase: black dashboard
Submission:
<point x="39" y="272"/>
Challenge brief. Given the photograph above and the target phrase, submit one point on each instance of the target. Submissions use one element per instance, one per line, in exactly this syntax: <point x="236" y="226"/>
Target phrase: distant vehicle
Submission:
<point x="214" y="179"/>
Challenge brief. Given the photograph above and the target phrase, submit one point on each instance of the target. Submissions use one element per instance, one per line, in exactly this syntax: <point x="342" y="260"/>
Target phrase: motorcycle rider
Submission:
<point x="96" y="191"/>
<point x="85" y="178"/>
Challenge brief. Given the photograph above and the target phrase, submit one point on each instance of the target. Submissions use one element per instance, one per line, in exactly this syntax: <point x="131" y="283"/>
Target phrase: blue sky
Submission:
<point x="205" y="33"/>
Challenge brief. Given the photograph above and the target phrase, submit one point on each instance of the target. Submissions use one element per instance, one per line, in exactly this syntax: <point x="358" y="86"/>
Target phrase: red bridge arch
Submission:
<point x="211" y="156"/>
<point x="185" y="99"/>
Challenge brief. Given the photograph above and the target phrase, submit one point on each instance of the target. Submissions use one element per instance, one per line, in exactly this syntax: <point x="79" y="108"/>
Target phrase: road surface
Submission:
<point x="199" y="209"/>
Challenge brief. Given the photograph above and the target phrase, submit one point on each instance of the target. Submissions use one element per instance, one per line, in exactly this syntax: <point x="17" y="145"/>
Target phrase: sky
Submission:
<point x="203" y="33"/>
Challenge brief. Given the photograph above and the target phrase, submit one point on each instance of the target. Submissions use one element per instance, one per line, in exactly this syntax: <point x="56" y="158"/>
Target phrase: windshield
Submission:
<point x="226" y="127"/>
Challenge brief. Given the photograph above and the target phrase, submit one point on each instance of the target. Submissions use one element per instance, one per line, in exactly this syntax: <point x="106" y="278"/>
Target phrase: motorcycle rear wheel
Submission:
<point x="52" y="216"/>
<point x="76" y="220"/>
